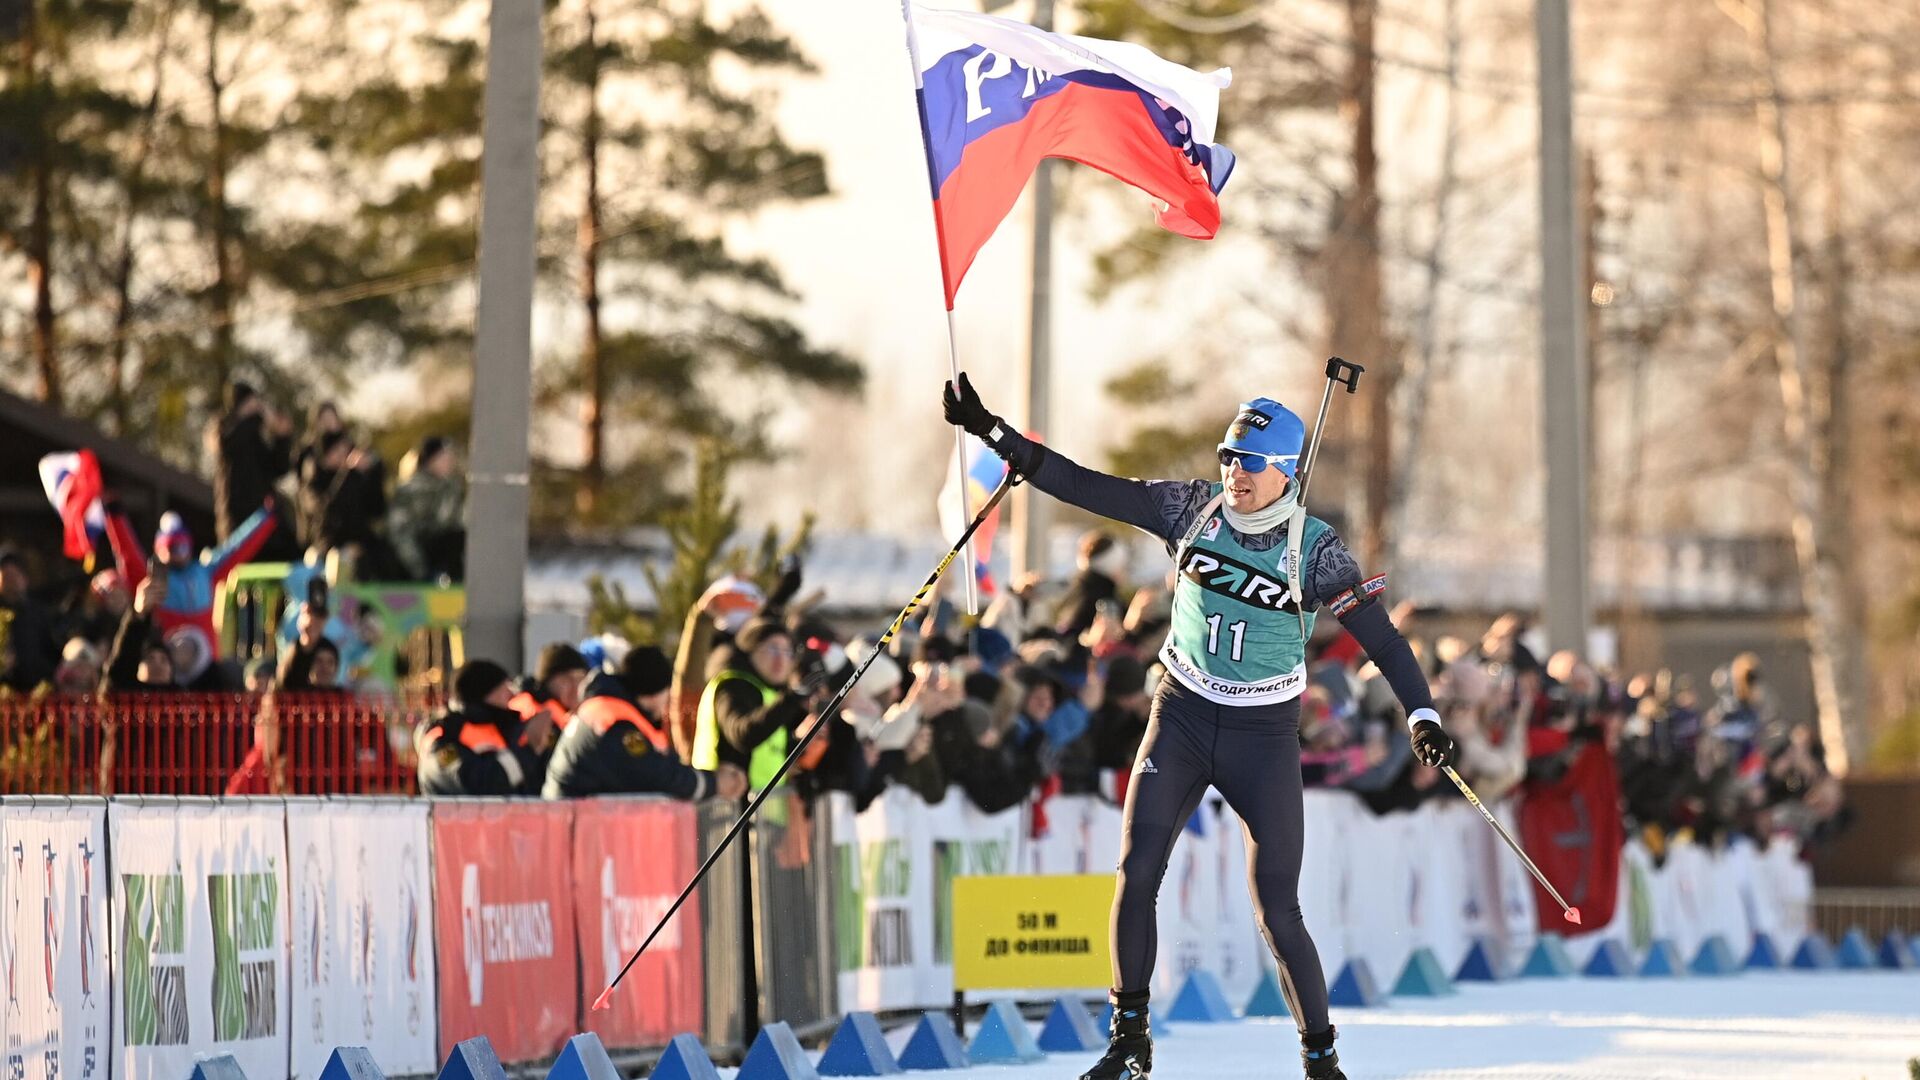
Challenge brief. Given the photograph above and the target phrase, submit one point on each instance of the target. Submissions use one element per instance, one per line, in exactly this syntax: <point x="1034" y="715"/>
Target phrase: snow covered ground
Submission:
<point x="1759" y="1026"/>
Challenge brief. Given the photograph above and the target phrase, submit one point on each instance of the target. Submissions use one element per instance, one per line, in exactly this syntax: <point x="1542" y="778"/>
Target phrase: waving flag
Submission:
<point x="997" y="96"/>
<point x="985" y="470"/>
<point x="72" y="480"/>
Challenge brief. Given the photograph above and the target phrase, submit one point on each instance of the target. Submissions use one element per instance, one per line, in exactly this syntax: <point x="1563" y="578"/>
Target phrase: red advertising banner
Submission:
<point x="631" y="857"/>
<point x="508" y="963"/>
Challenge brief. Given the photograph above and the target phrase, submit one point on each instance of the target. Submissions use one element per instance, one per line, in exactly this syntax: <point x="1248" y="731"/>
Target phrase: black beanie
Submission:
<point x="1125" y="676"/>
<point x="757" y="631"/>
<point x="475" y="680"/>
<point x="558" y="659"/>
<point x="646" y="670"/>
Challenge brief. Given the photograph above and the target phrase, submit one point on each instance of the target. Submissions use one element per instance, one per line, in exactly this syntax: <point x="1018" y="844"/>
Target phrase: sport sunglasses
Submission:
<point x="1252" y="463"/>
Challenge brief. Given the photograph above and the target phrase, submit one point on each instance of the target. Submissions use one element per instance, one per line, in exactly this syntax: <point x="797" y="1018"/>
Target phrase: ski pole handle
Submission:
<point x="1345" y="373"/>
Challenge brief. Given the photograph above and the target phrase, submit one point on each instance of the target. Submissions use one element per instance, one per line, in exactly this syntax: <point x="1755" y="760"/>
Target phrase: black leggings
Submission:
<point x="1251" y="754"/>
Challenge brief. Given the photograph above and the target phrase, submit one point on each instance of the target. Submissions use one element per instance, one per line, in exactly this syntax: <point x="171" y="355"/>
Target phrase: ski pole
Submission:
<point x="800" y="746"/>
<point x="1572" y="913"/>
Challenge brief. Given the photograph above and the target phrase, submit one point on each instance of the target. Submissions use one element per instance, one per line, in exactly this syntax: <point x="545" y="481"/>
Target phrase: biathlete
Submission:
<point x="1228" y="715"/>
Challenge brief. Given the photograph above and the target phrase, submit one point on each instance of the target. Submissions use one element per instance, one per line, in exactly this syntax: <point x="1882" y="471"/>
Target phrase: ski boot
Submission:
<point x="1129" y="1044"/>
<point x="1317" y="1054"/>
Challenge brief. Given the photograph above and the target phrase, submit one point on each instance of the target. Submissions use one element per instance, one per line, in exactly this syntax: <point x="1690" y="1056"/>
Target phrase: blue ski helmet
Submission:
<point x="1266" y="431"/>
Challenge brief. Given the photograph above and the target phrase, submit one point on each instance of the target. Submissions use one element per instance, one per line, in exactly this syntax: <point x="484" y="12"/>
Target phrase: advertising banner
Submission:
<point x="504" y="926"/>
<point x="53" y="939"/>
<point x="631" y="857"/>
<point x="362" y="895"/>
<point x="200" y="940"/>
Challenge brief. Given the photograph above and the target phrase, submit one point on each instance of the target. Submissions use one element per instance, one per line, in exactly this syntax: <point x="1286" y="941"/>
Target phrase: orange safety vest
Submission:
<point x="601" y="713"/>
<point x="480" y="738"/>
<point x="529" y="707"/>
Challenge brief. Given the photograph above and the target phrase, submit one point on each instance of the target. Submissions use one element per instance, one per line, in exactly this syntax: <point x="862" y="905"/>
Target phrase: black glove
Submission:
<point x="1433" y="746"/>
<point x="964" y="408"/>
<point x="788" y="586"/>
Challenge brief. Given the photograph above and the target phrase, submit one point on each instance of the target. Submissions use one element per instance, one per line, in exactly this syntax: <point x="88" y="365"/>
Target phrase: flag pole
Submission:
<point x="953" y="334"/>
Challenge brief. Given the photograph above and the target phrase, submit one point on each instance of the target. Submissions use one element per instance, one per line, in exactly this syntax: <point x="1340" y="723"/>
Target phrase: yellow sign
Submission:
<point x="1031" y="932"/>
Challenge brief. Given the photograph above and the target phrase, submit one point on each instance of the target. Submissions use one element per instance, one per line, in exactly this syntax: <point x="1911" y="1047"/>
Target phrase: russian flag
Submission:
<point x="73" y="485"/>
<point x="985" y="470"/>
<point x="997" y="96"/>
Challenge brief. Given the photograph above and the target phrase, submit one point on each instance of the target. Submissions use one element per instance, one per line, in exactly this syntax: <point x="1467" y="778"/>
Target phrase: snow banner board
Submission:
<point x="200" y="935"/>
<point x="53" y="938"/>
<point x="631" y="857"/>
<point x="362" y="895"/>
<point x="504" y="926"/>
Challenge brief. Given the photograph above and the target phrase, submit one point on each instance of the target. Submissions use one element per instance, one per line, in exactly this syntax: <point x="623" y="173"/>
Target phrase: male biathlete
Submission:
<point x="1229" y="714"/>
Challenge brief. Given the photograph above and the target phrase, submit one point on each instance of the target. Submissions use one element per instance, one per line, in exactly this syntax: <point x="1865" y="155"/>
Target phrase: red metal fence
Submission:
<point x="194" y="744"/>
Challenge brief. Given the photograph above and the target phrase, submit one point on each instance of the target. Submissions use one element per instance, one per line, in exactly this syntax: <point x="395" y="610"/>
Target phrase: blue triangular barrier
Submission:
<point x="1478" y="965"/>
<point x="859" y="1048"/>
<point x="776" y="1055"/>
<point x="1814" y="953"/>
<point x="1715" y="958"/>
<point x="584" y="1057"/>
<point x="1548" y="960"/>
<point x="1354" y="988"/>
<point x="1763" y="956"/>
<point x="685" y="1059"/>
<point x="1855" y="952"/>
<point x="934" y="1045"/>
<point x="1202" y="1001"/>
<point x="1003" y="1038"/>
<point x="1663" y="961"/>
<point x="218" y="1067"/>
<point x="1267" y="1000"/>
<point x="473" y="1059"/>
<point x="351" y="1063"/>
<point x="1069" y="1029"/>
<point x="1896" y="952"/>
<point x="1422" y="977"/>
<point x="1610" y="961"/>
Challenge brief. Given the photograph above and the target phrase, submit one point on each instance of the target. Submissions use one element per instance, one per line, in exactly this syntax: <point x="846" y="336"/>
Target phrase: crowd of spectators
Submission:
<point x="1049" y="694"/>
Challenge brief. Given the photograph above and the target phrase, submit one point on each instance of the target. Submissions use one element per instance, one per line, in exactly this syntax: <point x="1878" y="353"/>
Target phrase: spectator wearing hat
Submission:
<point x="426" y="522"/>
<point x="617" y="744"/>
<point x="477" y="747"/>
<point x="253" y="448"/>
<point x="79" y="672"/>
<point x="706" y="642"/>
<point x="554" y="689"/>
<point x="754" y="708"/>
<point x="185" y="618"/>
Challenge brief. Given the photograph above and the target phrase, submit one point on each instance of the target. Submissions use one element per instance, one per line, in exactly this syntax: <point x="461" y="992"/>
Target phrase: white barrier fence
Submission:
<point x="1372" y="887"/>
<point x="53" y="939"/>
<point x="362" y="918"/>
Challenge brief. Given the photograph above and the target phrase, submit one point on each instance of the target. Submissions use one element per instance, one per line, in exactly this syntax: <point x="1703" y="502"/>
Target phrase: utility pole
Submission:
<point x="1565" y="598"/>
<point x="503" y="336"/>
<point x="1030" y="512"/>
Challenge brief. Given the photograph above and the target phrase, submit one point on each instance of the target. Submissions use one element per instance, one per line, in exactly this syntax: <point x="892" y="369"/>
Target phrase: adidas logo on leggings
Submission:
<point x="1146" y="766"/>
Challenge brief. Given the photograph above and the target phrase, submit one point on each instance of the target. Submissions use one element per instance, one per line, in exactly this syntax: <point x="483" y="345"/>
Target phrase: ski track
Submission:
<point x="1759" y="1026"/>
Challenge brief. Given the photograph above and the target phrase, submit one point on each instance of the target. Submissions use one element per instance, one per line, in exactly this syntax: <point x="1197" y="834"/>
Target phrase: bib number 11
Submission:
<point x="1237" y="631"/>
